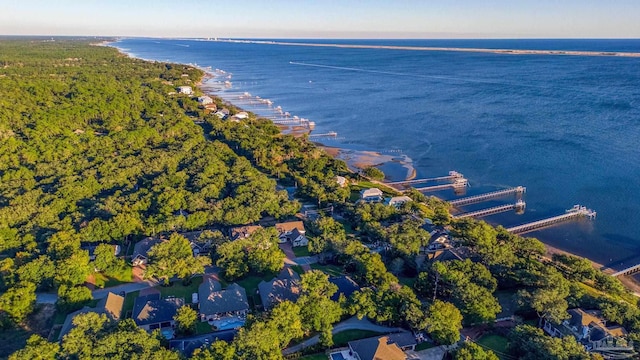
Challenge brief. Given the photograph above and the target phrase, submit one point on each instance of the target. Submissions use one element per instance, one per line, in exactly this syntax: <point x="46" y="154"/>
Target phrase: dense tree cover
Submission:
<point x="92" y="149"/>
<point x="317" y="310"/>
<point x="174" y="257"/>
<point x="259" y="253"/>
<point x="444" y="322"/>
<point x="530" y="343"/>
<point x="96" y="337"/>
<point x="107" y="261"/>
<point x="374" y="173"/>
<point x="473" y="351"/>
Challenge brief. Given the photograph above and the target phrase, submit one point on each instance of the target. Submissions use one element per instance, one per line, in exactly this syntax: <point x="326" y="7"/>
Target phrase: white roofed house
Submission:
<point x="397" y="201"/>
<point x="205" y="100"/>
<point x="187" y="90"/>
<point x="342" y="181"/>
<point x="371" y="195"/>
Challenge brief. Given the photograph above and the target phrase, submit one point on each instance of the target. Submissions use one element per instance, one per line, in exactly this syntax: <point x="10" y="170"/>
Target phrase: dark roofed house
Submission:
<point x="346" y="286"/>
<point x="141" y="249"/>
<point x="292" y="231"/>
<point x="151" y="312"/>
<point x="386" y="347"/>
<point x="286" y="286"/>
<point x="221" y="305"/>
<point x="590" y="329"/>
<point x="110" y="306"/>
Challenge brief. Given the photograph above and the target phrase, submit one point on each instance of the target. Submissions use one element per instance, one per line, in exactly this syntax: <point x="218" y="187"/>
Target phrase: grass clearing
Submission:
<point x="203" y="327"/>
<point x="178" y="290"/>
<point x="127" y="308"/>
<point x="332" y="270"/>
<point x="301" y="251"/>
<point x="495" y="342"/>
<point x="343" y="337"/>
<point x="425" y="345"/>
<point x="122" y="276"/>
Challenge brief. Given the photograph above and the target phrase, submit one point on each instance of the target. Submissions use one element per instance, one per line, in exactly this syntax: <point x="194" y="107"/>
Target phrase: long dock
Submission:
<point x="518" y="206"/>
<point x="452" y="176"/>
<point x="577" y="211"/>
<point x="329" y="134"/>
<point x="457" y="184"/>
<point x="518" y="190"/>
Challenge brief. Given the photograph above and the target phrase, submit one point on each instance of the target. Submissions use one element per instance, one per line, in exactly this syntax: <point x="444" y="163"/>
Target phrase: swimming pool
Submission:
<point x="231" y="324"/>
<point x="337" y="356"/>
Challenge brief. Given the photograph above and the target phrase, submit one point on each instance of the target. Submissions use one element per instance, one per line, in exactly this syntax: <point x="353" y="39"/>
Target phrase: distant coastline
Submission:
<point x="450" y="49"/>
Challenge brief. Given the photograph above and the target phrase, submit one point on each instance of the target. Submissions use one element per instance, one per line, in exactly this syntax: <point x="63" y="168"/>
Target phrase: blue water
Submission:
<point x="566" y="127"/>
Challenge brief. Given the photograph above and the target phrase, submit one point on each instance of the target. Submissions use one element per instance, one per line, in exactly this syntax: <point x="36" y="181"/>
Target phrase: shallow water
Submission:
<point x="566" y="127"/>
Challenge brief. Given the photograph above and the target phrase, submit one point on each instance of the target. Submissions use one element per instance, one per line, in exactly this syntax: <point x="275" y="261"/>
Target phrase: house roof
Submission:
<point x="151" y="309"/>
<point x="110" y="305"/>
<point x="242" y="232"/>
<point x="286" y="286"/>
<point x="370" y="192"/>
<point x="396" y="200"/>
<point x="142" y="247"/>
<point x="287" y="227"/>
<point x="386" y="347"/>
<point x="596" y="324"/>
<point x="345" y="285"/>
<point x="214" y="300"/>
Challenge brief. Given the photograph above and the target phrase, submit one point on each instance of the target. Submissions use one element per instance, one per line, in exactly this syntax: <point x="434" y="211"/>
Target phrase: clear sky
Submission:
<point x="325" y="18"/>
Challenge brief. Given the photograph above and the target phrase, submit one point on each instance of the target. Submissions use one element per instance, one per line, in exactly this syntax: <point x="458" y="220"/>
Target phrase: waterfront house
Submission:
<point x="141" y="249"/>
<point x="385" y="347"/>
<point x="150" y="312"/>
<point x="591" y="330"/>
<point x="371" y="195"/>
<point x="222" y="306"/>
<point x="111" y="306"/>
<point x="341" y="180"/>
<point x="286" y="286"/>
<point x="397" y="201"/>
<point x="243" y="232"/>
<point x="187" y="90"/>
<point x="241" y="115"/>
<point x="205" y="100"/>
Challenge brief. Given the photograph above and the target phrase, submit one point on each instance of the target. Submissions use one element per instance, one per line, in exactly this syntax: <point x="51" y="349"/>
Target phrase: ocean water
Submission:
<point x="566" y="127"/>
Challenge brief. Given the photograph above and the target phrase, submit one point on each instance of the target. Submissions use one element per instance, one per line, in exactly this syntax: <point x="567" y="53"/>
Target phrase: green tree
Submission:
<point x="37" y="348"/>
<point x="317" y="310"/>
<point x="106" y="259"/>
<point x="528" y="343"/>
<point x="186" y="318"/>
<point x="219" y="350"/>
<point x="18" y="301"/>
<point x="264" y="254"/>
<point x="232" y="258"/>
<point x="174" y="258"/>
<point x="472" y="351"/>
<point x="71" y="298"/>
<point x="374" y="173"/>
<point x="444" y="322"/>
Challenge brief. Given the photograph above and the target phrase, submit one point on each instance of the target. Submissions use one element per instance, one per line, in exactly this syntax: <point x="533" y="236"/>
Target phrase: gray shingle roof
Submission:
<point x="286" y="286"/>
<point x="141" y="248"/>
<point x="111" y="306"/>
<point x="151" y="309"/>
<point x="214" y="300"/>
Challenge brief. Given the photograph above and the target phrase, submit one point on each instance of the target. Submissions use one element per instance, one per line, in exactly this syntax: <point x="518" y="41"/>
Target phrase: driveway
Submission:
<point x="352" y="323"/>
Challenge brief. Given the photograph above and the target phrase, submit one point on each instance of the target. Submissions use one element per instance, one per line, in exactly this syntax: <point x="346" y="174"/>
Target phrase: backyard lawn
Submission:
<point x="177" y="289"/>
<point x="124" y="276"/>
<point x="494" y="342"/>
<point x="332" y="270"/>
<point x="127" y="308"/>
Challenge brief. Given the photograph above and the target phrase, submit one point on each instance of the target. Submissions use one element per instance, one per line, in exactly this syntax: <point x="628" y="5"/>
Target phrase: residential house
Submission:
<point x="286" y="232"/>
<point x="346" y="286"/>
<point x="91" y="248"/>
<point x="187" y="90"/>
<point x="385" y="347"/>
<point x="241" y="115"/>
<point x="397" y="201"/>
<point x="286" y="286"/>
<point x="590" y="329"/>
<point x="110" y="306"/>
<point x="150" y="312"/>
<point x="141" y="249"/>
<point x="297" y="238"/>
<point x="222" y="305"/>
<point x="205" y="100"/>
<point x="342" y="181"/>
<point x="371" y="195"/>
<point x="243" y="232"/>
<point x="211" y="108"/>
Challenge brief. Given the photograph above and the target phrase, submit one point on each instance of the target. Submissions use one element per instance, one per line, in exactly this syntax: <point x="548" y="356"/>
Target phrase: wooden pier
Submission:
<point x="519" y="206"/>
<point x="329" y="134"/>
<point x="518" y="190"/>
<point x="453" y="175"/>
<point x="576" y="212"/>
<point x="458" y="183"/>
<point x="628" y="271"/>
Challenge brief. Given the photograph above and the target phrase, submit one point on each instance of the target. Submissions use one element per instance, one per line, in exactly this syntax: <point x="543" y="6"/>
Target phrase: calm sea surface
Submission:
<point x="566" y="127"/>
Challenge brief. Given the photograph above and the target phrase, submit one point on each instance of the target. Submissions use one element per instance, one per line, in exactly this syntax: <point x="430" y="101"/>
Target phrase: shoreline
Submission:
<point x="449" y="49"/>
<point x="372" y="158"/>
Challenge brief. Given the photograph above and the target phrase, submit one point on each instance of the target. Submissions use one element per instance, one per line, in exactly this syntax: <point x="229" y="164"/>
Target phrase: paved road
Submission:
<point x="350" y="324"/>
